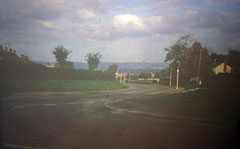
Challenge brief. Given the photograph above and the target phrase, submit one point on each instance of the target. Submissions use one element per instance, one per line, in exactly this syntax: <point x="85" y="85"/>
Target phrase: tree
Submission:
<point x="61" y="54"/>
<point x="181" y="52"/>
<point x="234" y="61"/>
<point x="113" y="68"/>
<point x="162" y="74"/>
<point x="193" y="57"/>
<point x="93" y="60"/>
<point x="67" y="65"/>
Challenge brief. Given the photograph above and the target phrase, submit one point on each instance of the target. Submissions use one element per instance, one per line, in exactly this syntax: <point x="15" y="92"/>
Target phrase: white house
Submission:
<point x="48" y="65"/>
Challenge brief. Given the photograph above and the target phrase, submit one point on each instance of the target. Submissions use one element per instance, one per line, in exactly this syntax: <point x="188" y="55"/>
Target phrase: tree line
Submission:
<point x="63" y="69"/>
<point x="93" y="59"/>
<point x="195" y="62"/>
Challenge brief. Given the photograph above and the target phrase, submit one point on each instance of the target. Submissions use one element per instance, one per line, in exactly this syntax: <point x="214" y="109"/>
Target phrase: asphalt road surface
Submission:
<point x="81" y="121"/>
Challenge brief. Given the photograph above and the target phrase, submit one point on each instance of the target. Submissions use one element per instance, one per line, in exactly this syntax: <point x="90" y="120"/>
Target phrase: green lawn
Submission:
<point x="201" y="103"/>
<point x="58" y="86"/>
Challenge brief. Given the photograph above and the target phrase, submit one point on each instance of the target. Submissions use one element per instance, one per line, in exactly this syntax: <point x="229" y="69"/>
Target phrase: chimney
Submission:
<point x="10" y="50"/>
<point x="14" y="51"/>
<point x="1" y="47"/>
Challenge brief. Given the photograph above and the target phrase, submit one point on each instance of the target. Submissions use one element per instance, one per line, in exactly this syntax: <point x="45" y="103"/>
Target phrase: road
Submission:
<point x="65" y="121"/>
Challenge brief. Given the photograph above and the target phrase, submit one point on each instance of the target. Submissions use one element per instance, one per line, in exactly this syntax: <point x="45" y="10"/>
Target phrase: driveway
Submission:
<point x="83" y="121"/>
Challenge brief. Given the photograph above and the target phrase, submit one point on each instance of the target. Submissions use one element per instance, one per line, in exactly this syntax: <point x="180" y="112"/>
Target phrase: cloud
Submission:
<point x="160" y="25"/>
<point x="141" y="27"/>
<point x="154" y="21"/>
<point x="86" y="14"/>
<point x="124" y="25"/>
<point x="127" y="23"/>
<point x="93" y="31"/>
<point x="33" y="18"/>
<point x="41" y="9"/>
<point x="49" y="25"/>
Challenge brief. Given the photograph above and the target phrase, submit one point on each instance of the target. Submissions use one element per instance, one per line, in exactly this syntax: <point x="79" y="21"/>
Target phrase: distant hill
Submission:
<point x="127" y="67"/>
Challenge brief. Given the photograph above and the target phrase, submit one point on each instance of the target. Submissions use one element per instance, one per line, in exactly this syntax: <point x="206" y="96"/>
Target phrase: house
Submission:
<point x="7" y="55"/>
<point x="222" y="68"/>
<point x="48" y="65"/>
<point x="120" y="75"/>
<point x="148" y="77"/>
<point x="24" y="58"/>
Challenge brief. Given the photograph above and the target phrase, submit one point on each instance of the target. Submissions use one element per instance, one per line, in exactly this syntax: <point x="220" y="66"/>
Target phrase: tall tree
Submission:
<point x="61" y="54"/>
<point x="192" y="56"/>
<point x="93" y="60"/>
<point x="181" y="52"/>
<point x="234" y="61"/>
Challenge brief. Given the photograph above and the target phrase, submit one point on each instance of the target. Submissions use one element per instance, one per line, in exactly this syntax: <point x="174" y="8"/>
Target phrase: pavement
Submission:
<point x="93" y="120"/>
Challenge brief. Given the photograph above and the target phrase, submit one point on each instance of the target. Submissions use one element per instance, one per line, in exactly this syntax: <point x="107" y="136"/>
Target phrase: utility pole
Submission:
<point x="170" y="80"/>
<point x="179" y="63"/>
<point x="199" y="66"/>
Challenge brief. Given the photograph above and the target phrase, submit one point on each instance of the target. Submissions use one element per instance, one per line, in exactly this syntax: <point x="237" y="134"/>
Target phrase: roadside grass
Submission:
<point x="190" y="87"/>
<point x="210" y="104"/>
<point x="28" y="86"/>
<point x="140" y="82"/>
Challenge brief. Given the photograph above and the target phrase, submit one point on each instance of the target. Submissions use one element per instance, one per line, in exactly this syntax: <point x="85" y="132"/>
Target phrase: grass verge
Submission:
<point x="205" y="104"/>
<point x="28" y="86"/>
<point x="201" y="103"/>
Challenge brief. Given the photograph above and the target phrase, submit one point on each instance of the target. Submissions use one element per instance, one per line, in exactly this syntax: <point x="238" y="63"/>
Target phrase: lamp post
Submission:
<point x="179" y="63"/>
<point x="199" y="66"/>
<point x="170" y="80"/>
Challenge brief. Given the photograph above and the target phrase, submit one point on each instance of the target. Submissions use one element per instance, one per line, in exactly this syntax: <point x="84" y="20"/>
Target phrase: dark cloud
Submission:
<point x="215" y="22"/>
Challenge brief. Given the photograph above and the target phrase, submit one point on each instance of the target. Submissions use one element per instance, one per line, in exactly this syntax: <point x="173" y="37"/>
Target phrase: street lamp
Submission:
<point x="170" y="80"/>
<point x="179" y="63"/>
<point x="199" y="66"/>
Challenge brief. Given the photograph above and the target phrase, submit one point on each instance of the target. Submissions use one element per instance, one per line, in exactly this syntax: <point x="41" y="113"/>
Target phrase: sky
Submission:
<point x="121" y="30"/>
